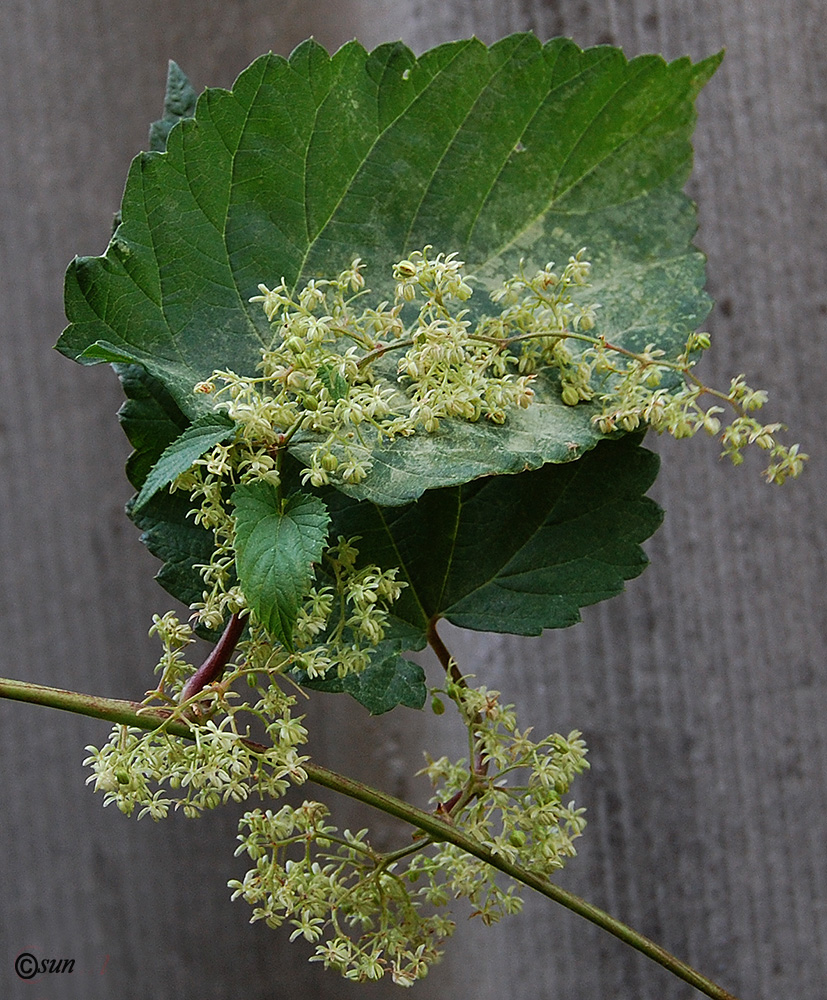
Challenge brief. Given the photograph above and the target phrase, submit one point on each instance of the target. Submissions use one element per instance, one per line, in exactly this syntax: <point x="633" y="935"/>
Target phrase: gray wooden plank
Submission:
<point x="701" y="690"/>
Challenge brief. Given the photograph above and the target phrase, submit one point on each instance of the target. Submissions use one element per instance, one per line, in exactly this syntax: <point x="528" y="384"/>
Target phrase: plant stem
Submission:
<point x="480" y="767"/>
<point x="215" y="664"/>
<point x="381" y="350"/>
<point x="115" y="710"/>
<point x="132" y="713"/>
<point x="439" y="830"/>
<point x="449" y="664"/>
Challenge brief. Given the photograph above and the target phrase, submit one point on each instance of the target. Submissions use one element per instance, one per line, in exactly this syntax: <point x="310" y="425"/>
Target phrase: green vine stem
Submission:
<point x="132" y="713"/>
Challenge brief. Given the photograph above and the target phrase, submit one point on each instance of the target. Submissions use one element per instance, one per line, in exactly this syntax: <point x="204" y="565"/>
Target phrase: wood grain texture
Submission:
<point x="701" y="691"/>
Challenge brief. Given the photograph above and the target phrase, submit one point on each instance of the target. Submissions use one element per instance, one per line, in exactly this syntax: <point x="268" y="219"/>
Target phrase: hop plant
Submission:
<point x="327" y="379"/>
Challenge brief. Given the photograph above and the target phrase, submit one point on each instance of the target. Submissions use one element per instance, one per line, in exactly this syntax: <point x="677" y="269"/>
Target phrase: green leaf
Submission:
<point x="520" y="150"/>
<point x="333" y="380"/>
<point x="390" y="680"/>
<point x="175" y="539"/>
<point x="179" y="102"/>
<point x="150" y="418"/>
<point x="196" y="440"/>
<point x="515" y="554"/>
<point x="277" y="542"/>
<point x="554" y="540"/>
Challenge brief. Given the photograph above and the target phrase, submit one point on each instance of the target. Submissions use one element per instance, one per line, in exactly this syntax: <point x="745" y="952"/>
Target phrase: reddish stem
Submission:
<point x="215" y="664"/>
<point x="452" y="670"/>
<point x="448" y="662"/>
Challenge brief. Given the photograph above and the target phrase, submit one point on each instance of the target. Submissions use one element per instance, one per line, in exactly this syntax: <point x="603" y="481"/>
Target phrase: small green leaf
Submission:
<point x="333" y="380"/>
<point x="277" y="543"/>
<point x="390" y="680"/>
<point x="179" y="102"/>
<point x="178" y="456"/>
<point x="196" y="440"/>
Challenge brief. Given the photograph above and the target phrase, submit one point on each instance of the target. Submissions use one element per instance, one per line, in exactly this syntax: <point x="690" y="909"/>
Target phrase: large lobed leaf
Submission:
<point x="554" y="540"/>
<point x="515" y="554"/>
<point x="520" y="150"/>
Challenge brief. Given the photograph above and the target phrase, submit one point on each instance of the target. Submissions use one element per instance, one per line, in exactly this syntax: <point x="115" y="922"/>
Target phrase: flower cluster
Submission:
<point x="452" y="369"/>
<point x="338" y="893"/>
<point x="338" y="626"/>
<point x="643" y="391"/>
<point x="205" y="483"/>
<point x="632" y="388"/>
<point x="174" y="669"/>
<point x="327" y="381"/>
<point x="509" y="796"/>
<point x="539" y="316"/>
<point x="157" y="770"/>
<point x="341" y="623"/>
<point x="370" y="913"/>
<point x="315" y="378"/>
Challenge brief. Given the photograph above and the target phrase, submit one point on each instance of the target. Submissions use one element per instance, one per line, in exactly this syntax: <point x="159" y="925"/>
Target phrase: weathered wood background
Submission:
<point x="701" y="690"/>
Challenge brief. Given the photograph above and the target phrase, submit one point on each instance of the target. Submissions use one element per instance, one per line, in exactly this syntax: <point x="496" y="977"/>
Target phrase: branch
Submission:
<point x="449" y="664"/>
<point x="215" y="664"/>
<point x="131" y="713"/>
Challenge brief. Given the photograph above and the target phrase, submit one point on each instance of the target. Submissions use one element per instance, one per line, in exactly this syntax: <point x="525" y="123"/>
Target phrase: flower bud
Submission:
<point x="404" y="269"/>
<point x="295" y="345"/>
<point x="571" y="397"/>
